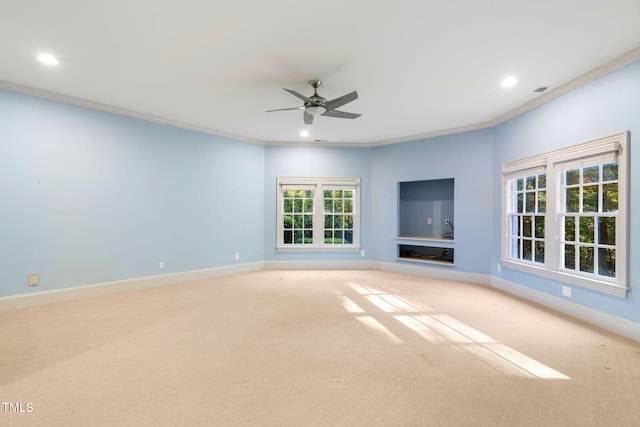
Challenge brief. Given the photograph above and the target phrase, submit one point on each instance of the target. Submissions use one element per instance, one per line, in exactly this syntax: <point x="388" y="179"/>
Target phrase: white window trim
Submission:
<point x="318" y="215"/>
<point x="552" y="163"/>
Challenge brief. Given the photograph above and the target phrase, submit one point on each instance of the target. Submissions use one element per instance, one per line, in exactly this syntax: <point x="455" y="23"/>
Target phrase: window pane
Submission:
<point x="348" y="206"/>
<point x="297" y="237"/>
<point x="607" y="262"/>
<point x="515" y="248"/>
<point x="328" y="235"/>
<point x="606" y="230"/>
<point x="297" y="205"/>
<point x="348" y="222"/>
<point x="328" y="194"/>
<point x="539" y="227"/>
<point x="573" y="177"/>
<point x="288" y="237"/>
<point x="328" y="221"/>
<point x="337" y="221"/>
<point x="338" y="206"/>
<point x="539" y="256"/>
<point x="591" y="174"/>
<point x="520" y="184"/>
<point x="348" y="194"/>
<point x="610" y="172"/>
<point x="590" y="198"/>
<point x="308" y="221"/>
<point x="337" y="238"/>
<point x="531" y="201"/>
<point x="531" y="182"/>
<point x="570" y="257"/>
<point x="586" y="259"/>
<point x="308" y="205"/>
<point x="287" y="221"/>
<point x="515" y="225"/>
<point x="348" y="236"/>
<point x="526" y="226"/>
<point x="586" y="229"/>
<point x="520" y="203"/>
<point x="288" y="205"/>
<point x="308" y="237"/>
<point x="542" y="180"/>
<point x="610" y="197"/>
<point x="569" y="228"/>
<point x="297" y="221"/>
<point x="542" y="201"/>
<point x="527" y="252"/>
<point x="337" y="194"/>
<point x="573" y="199"/>
<point x="287" y="193"/>
<point x="328" y="205"/>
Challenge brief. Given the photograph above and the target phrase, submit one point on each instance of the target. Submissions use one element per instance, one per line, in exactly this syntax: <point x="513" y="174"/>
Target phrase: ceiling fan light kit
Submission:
<point x="316" y="105"/>
<point x="315" y="110"/>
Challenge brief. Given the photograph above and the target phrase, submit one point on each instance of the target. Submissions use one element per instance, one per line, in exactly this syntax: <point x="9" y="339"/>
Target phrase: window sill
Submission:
<point x="583" y="282"/>
<point x="335" y="248"/>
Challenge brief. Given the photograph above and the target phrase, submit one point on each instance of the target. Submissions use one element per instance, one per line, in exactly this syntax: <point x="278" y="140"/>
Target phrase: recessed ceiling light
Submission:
<point x="304" y="133"/>
<point x="509" y="81"/>
<point x="48" y="59"/>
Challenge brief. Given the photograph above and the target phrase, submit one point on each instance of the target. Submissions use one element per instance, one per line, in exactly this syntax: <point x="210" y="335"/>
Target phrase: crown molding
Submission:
<point x="27" y="90"/>
<point x="627" y="58"/>
<point x="433" y="134"/>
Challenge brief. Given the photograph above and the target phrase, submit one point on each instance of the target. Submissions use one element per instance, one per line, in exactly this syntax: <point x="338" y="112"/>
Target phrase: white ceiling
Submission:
<point x="421" y="67"/>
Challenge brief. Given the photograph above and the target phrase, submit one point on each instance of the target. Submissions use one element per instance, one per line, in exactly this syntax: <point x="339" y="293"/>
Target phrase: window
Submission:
<point x="527" y="219"/>
<point x="589" y="208"/>
<point x="318" y="213"/>
<point x="565" y="216"/>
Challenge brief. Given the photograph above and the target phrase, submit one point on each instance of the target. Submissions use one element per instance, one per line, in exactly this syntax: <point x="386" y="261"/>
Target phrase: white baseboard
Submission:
<point x="425" y="270"/>
<point x="604" y="320"/>
<point x="319" y="265"/>
<point x="16" y="302"/>
<point x="607" y="321"/>
<point x="618" y="325"/>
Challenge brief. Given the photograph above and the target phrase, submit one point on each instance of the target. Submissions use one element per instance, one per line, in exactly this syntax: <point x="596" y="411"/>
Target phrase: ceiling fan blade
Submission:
<point x="339" y="102"/>
<point x="340" y="114"/>
<point x="301" y="96"/>
<point x="308" y="118"/>
<point x="287" y="109"/>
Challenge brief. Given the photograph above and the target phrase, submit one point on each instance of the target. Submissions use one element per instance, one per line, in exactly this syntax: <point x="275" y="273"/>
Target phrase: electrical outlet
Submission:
<point x="34" y="279"/>
<point x="499" y="267"/>
<point x="362" y="252"/>
<point x="161" y="265"/>
<point x="566" y="291"/>
<point x="428" y="220"/>
<point x="237" y="256"/>
<point x="446" y="221"/>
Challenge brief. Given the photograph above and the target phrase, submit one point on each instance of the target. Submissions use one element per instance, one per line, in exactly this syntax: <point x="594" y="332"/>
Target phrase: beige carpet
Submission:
<point x="313" y="348"/>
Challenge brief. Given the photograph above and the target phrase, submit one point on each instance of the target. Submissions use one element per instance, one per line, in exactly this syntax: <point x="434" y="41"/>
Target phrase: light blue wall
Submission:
<point x="317" y="161"/>
<point x="465" y="157"/>
<point x="608" y="105"/>
<point x="88" y="197"/>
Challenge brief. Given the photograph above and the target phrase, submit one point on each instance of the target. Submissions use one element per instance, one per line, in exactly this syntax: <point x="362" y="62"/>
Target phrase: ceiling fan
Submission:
<point x="315" y="105"/>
